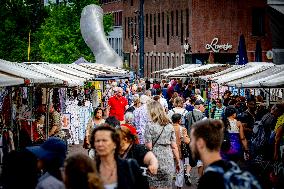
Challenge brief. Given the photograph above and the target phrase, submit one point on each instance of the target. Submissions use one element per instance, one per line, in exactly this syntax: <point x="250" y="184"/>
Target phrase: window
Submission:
<point x="163" y="24"/>
<point x="132" y="27"/>
<point x="125" y="26"/>
<point x="151" y="32"/>
<point x="258" y="22"/>
<point x="172" y="22"/>
<point x="155" y="30"/>
<point x="181" y="27"/>
<point x="117" y="17"/>
<point x="147" y="21"/>
<point x="176" y="22"/>
<point x="159" y="26"/>
<point x="187" y="23"/>
<point x="168" y="29"/>
<point x="128" y="26"/>
<point x="135" y="25"/>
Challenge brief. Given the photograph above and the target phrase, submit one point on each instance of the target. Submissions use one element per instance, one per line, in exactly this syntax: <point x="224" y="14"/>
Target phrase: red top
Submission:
<point x="117" y="107"/>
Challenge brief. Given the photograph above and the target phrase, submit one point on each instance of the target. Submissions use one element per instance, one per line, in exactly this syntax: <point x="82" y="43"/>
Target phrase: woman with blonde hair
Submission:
<point x="178" y="109"/>
<point x="80" y="172"/>
<point x="161" y="139"/>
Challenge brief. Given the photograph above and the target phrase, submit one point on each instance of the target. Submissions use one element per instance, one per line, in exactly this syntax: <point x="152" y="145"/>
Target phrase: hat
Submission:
<point x="52" y="148"/>
<point x="198" y="102"/>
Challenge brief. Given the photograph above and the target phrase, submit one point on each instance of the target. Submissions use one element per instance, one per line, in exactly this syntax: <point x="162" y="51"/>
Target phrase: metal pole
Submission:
<point x="141" y="38"/>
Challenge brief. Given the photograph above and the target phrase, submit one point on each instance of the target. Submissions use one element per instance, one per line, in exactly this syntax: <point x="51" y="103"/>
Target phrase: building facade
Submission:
<point x="171" y="26"/>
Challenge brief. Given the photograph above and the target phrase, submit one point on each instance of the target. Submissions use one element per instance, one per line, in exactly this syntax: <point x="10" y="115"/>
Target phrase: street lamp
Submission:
<point x="187" y="52"/>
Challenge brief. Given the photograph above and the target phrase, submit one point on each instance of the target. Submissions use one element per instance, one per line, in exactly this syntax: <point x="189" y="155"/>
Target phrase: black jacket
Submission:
<point x="129" y="174"/>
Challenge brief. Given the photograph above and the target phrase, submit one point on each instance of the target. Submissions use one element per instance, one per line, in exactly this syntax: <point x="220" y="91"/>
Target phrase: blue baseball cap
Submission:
<point x="52" y="148"/>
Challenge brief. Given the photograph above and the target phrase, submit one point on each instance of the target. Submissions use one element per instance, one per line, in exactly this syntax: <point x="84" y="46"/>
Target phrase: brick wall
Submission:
<point x="224" y="19"/>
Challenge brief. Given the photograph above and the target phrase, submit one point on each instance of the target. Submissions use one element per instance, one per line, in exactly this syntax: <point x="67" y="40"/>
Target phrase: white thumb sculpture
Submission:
<point x="91" y="24"/>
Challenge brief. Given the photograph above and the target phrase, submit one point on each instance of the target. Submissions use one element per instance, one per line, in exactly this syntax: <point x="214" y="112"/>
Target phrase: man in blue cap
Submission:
<point x="51" y="155"/>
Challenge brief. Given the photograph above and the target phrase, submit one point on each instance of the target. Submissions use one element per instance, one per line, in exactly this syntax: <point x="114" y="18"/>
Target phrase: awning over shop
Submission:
<point x="275" y="80"/>
<point x="18" y="70"/>
<point x="183" y="66"/>
<point x="196" y="70"/>
<point x="104" y="68"/>
<point x="230" y="69"/>
<point x="248" y="70"/>
<point x="259" y="75"/>
<point x="69" y="80"/>
<point x="181" y="71"/>
<point x="6" y="80"/>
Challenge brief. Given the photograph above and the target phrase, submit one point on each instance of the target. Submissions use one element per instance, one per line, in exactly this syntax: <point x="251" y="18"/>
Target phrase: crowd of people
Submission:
<point x="152" y="135"/>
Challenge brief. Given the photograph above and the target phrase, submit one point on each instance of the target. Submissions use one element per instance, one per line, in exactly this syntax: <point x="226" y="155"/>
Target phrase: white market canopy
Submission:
<point x="181" y="71"/>
<point x="244" y="71"/>
<point x="104" y="68"/>
<point x="275" y="71"/>
<point x="274" y="80"/>
<point x="6" y="80"/>
<point x="17" y="70"/>
<point x="193" y="69"/>
<point x="13" y="73"/>
<point x="183" y="66"/>
<point x="230" y="69"/>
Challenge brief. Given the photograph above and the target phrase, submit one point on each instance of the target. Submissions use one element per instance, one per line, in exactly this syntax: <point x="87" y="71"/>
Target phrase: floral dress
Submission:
<point x="163" y="151"/>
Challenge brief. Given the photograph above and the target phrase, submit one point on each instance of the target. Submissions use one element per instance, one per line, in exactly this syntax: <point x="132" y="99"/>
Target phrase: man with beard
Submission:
<point x="206" y="137"/>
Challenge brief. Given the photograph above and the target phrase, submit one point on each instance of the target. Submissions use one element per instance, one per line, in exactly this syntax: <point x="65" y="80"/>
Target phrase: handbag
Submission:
<point x="186" y="151"/>
<point x="158" y="137"/>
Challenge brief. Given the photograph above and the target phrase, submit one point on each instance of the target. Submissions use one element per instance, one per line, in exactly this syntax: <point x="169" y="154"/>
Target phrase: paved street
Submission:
<point x="73" y="149"/>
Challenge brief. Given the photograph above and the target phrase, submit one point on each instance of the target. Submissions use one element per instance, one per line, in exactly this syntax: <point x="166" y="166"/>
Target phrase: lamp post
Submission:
<point x="187" y="52"/>
<point x="141" y="39"/>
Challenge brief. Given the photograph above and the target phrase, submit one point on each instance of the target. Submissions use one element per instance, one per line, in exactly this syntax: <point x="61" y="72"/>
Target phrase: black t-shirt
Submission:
<point x="212" y="179"/>
<point x="137" y="152"/>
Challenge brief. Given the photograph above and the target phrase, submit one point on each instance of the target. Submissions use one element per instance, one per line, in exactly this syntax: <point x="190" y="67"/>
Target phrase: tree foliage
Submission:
<point x="55" y="32"/>
<point x="17" y="19"/>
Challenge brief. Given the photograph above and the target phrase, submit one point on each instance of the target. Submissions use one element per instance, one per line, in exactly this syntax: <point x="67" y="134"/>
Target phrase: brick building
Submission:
<point x="205" y="25"/>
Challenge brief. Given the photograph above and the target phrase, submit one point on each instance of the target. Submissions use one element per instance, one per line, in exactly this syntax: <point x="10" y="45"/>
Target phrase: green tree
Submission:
<point x="17" y="19"/>
<point x="55" y="31"/>
<point x="61" y="39"/>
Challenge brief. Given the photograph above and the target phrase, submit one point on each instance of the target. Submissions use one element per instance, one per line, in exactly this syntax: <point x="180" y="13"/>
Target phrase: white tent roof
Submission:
<point x="65" y="69"/>
<point x="104" y="68"/>
<point x="81" y="68"/>
<point x="260" y="75"/>
<point x="230" y="69"/>
<point x="17" y="69"/>
<point x="269" y="81"/>
<point x="6" y="80"/>
<point x="56" y="74"/>
<point x="249" y="69"/>
<point x="181" y="71"/>
<point x="183" y="66"/>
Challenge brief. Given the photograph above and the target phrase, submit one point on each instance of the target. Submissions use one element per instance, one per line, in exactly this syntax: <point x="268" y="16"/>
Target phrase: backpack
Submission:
<point x="235" y="178"/>
<point x="261" y="137"/>
<point x="182" y="116"/>
<point x="191" y="118"/>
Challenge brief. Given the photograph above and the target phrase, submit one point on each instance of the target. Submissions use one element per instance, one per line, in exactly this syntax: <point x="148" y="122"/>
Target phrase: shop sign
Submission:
<point x="215" y="47"/>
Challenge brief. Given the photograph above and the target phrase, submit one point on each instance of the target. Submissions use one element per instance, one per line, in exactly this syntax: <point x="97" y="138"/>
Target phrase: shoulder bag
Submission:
<point x="154" y="143"/>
